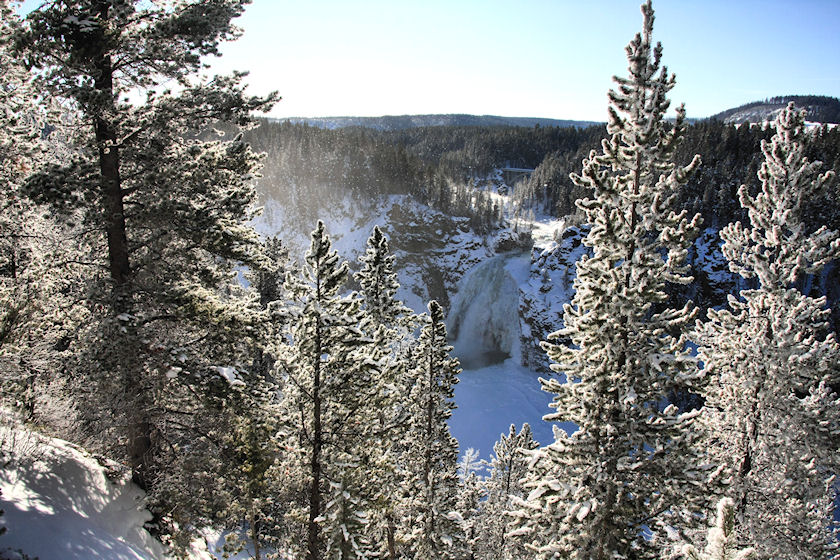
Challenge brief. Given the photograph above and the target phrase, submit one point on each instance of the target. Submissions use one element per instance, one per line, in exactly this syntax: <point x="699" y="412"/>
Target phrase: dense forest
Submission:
<point x="435" y="163"/>
<point x="303" y="408"/>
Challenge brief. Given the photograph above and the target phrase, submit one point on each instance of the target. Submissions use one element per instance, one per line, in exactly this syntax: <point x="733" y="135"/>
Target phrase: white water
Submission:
<point x="484" y="319"/>
<point x="494" y="391"/>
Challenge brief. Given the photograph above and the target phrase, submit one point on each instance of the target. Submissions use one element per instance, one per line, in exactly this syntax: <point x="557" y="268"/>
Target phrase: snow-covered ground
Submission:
<point x="492" y="398"/>
<point x="61" y="503"/>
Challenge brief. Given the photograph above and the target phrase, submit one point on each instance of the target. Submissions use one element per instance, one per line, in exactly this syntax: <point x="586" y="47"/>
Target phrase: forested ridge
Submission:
<point x="303" y="408"/>
<point x="420" y="160"/>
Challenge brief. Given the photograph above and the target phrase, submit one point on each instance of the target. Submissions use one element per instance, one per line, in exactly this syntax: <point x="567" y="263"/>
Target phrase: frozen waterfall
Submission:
<point x="484" y="318"/>
<point x="494" y="391"/>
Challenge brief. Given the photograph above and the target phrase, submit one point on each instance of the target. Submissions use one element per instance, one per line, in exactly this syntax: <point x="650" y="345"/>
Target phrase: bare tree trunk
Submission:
<point x="255" y="534"/>
<point x="109" y="168"/>
<point x="391" y="530"/>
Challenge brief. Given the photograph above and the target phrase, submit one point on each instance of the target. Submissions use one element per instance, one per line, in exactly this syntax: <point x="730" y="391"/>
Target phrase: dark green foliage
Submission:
<point x="477" y="151"/>
<point x="310" y="169"/>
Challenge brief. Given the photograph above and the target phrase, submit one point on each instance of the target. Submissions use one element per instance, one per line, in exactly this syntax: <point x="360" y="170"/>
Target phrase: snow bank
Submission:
<point x="62" y="504"/>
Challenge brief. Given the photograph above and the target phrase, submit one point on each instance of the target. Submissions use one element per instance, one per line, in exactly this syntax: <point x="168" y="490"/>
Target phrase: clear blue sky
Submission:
<point x="536" y="58"/>
<point x="525" y="58"/>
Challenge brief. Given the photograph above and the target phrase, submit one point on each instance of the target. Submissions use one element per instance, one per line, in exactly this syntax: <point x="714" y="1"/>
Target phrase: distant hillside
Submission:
<point x="820" y="109"/>
<point x="402" y="122"/>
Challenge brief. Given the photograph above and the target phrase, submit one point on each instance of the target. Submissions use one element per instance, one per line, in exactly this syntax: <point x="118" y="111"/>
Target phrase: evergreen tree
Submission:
<point x="721" y="540"/>
<point x="471" y="492"/>
<point x="432" y="480"/>
<point x="249" y="492"/>
<point x="39" y="256"/>
<point x="328" y="378"/>
<point x="391" y="324"/>
<point x="771" y="419"/>
<point x="631" y="460"/>
<point x="164" y="210"/>
<point x="379" y="282"/>
<point x="507" y="467"/>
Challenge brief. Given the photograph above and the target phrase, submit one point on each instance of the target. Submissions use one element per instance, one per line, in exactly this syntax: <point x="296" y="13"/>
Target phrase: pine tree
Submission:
<point x="38" y="285"/>
<point x="432" y="480"/>
<point x="771" y="419"/>
<point x="165" y="211"/>
<point x="390" y="324"/>
<point x="471" y="493"/>
<point x="249" y="488"/>
<point x="721" y="539"/>
<point x="18" y="147"/>
<point x="328" y="376"/>
<point x="622" y="352"/>
<point x="507" y="467"/>
<point x="379" y="282"/>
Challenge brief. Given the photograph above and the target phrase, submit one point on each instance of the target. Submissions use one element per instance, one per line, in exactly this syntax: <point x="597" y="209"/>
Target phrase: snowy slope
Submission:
<point x="61" y="503"/>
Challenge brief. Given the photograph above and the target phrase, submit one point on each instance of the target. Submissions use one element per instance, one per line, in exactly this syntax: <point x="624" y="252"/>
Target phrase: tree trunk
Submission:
<point x="391" y="530"/>
<point x="255" y="534"/>
<point x="109" y="169"/>
<point x="428" y="476"/>
<point x="113" y="212"/>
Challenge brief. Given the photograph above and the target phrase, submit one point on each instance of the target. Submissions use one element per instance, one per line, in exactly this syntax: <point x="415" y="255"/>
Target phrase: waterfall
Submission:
<point x="484" y="319"/>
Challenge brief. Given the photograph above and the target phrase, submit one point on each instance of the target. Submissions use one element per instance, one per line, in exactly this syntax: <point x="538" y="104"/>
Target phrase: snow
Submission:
<point x="62" y="504"/>
<point x="492" y="398"/>
<point x="229" y="373"/>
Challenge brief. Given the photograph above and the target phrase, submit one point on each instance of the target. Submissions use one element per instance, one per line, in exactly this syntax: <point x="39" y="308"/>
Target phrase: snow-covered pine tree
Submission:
<point x="771" y="418"/>
<point x="38" y="286"/>
<point x="19" y="132"/>
<point x="267" y="280"/>
<point x="432" y="480"/>
<point x="379" y="282"/>
<point x="471" y="493"/>
<point x="328" y="379"/>
<point x="720" y="543"/>
<point x="166" y="211"/>
<point x="391" y="324"/>
<point x="507" y="467"/>
<point x="622" y="352"/>
<point x="248" y="490"/>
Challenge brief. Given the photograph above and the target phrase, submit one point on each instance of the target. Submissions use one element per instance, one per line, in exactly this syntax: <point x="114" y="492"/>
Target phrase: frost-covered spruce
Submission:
<point x="432" y="480"/>
<point x="632" y="460"/>
<point x="390" y="324"/>
<point x="771" y="419"/>
<point x="507" y="467"/>
<point x="328" y="379"/>
<point x="379" y="282"/>
<point x="720" y="542"/>
<point x="470" y="502"/>
<point x="165" y="212"/>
